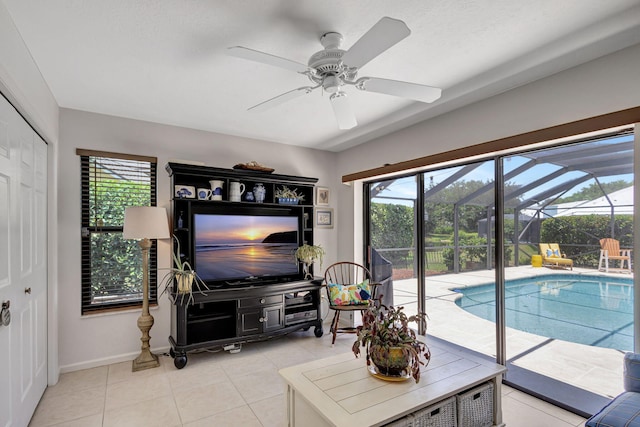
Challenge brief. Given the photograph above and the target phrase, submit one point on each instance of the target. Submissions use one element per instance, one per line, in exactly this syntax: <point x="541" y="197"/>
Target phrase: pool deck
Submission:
<point x="596" y="369"/>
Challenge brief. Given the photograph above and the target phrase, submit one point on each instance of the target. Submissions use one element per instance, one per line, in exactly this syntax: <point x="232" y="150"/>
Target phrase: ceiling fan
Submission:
<point x="333" y="68"/>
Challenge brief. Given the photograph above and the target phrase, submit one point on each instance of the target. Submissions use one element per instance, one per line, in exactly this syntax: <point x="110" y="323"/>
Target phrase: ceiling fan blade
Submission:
<point x="281" y="99"/>
<point x="342" y="110"/>
<point x="408" y="90"/>
<point x="384" y="34"/>
<point x="266" y="58"/>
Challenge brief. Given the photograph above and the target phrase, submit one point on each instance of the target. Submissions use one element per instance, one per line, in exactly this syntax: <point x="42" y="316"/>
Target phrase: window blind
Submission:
<point x="111" y="265"/>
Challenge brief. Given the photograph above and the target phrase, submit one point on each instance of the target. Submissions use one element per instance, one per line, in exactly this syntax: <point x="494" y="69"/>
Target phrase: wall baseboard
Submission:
<point x="127" y="357"/>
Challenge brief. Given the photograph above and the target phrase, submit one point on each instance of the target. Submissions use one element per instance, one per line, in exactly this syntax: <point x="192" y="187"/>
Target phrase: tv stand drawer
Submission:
<point x="258" y="301"/>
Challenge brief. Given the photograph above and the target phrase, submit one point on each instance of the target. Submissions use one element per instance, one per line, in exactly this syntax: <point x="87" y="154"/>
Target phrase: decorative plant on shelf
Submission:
<point x="308" y="254"/>
<point x="285" y="195"/>
<point x="391" y="345"/>
<point x="185" y="278"/>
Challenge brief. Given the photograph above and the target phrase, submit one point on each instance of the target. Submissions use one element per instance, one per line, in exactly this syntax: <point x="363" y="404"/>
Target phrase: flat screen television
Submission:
<point x="246" y="246"/>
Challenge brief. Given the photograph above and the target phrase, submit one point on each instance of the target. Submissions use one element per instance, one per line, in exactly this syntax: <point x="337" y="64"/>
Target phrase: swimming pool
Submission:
<point x="591" y="310"/>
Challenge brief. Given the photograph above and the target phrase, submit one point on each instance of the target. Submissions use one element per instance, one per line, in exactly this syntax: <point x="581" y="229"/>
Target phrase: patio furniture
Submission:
<point x="610" y="250"/>
<point x="553" y="257"/>
<point x="382" y="273"/>
<point x="536" y="260"/>
<point x="622" y="411"/>
<point x="349" y="287"/>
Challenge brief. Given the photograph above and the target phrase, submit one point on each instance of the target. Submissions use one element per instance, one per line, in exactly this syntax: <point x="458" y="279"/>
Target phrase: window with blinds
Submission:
<point x="111" y="265"/>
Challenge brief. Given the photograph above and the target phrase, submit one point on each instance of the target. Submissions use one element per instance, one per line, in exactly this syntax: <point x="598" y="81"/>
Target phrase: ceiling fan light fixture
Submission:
<point x="331" y="84"/>
<point x="342" y="111"/>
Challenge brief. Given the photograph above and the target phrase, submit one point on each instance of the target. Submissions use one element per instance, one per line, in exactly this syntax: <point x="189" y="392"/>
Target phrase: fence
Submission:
<point x="438" y="259"/>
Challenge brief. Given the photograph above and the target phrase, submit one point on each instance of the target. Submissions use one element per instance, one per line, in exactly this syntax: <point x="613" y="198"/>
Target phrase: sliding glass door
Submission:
<point x="568" y="320"/>
<point x="458" y="235"/>
<point x="504" y="255"/>
<point x="392" y="239"/>
<point x="427" y="229"/>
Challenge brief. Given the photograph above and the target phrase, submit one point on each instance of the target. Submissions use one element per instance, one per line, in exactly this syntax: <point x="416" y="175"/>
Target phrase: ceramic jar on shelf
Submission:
<point x="236" y="190"/>
<point x="216" y="189"/>
<point x="259" y="192"/>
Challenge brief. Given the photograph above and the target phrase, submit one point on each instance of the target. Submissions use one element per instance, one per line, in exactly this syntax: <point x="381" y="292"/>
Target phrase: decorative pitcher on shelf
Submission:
<point x="259" y="192"/>
<point x="236" y="190"/>
<point x="216" y="189"/>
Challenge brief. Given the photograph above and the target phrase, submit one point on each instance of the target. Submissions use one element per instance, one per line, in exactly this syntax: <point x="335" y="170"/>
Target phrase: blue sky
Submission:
<point x="406" y="187"/>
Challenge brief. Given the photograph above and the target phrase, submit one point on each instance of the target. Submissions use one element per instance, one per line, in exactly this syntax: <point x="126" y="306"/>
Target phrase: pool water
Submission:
<point x="591" y="310"/>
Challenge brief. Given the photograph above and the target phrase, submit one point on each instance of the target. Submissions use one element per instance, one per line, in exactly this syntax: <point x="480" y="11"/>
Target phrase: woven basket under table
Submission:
<point x="442" y="414"/>
<point x="475" y="407"/>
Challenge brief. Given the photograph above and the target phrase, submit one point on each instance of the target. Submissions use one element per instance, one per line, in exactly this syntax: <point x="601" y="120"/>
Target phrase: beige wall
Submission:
<point x="98" y="339"/>
<point x="598" y="87"/>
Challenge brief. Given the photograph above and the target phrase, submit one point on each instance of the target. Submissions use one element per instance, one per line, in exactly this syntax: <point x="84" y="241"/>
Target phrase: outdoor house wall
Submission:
<point x="100" y="339"/>
<point x="598" y="87"/>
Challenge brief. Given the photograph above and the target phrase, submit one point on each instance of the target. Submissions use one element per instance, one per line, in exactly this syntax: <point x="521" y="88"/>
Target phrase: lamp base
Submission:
<point x="146" y="360"/>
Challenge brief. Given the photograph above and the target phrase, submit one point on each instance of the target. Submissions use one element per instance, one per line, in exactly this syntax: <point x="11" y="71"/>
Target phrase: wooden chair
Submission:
<point x="553" y="257"/>
<point x="356" y="277"/>
<point x="610" y="250"/>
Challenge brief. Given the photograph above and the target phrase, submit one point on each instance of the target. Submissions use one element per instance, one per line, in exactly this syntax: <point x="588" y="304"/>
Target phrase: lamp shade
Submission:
<point x="145" y="222"/>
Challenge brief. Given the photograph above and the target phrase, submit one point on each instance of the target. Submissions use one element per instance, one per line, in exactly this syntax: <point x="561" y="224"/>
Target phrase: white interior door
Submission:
<point x="23" y="267"/>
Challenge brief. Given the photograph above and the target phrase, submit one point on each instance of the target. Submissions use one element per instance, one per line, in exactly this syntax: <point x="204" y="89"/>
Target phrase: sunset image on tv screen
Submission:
<point x="243" y="246"/>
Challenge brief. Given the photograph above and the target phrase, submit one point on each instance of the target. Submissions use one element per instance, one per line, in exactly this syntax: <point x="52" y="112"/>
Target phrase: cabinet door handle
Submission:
<point x="262" y="300"/>
<point x="27" y="291"/>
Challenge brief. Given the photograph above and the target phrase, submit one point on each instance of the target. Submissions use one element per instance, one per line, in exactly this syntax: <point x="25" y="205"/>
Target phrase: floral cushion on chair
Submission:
<point x="359" y="293"/>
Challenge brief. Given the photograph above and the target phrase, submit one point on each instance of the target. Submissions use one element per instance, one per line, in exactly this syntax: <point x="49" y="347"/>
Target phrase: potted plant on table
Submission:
<point x="308" y="254"/>
<point x="184" y="277"/>
<point x="391" y="345"/>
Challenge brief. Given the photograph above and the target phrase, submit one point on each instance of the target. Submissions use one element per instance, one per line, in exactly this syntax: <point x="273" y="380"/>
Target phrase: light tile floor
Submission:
<point x="222" y="389"/>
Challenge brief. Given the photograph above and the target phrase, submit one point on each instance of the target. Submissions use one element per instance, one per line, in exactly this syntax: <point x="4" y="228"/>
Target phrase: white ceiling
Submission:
<point x="164" y="60"/>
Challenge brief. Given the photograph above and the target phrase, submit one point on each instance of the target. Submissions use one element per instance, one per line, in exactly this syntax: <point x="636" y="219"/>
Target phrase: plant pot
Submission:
<point x="392" y="361"/>
<point x="288" y="200"/>
<point x="185" y="283"/>
<point x="306" y="268"/>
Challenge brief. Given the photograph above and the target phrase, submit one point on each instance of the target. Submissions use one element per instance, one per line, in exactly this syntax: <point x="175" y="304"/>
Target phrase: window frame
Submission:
<point x="88" y="306"/>
<point x="522" y="141"/>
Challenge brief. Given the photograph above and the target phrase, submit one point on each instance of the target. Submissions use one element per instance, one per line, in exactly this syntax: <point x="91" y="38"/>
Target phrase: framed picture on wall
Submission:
<point x="322" y="196"/>
<point x="324" y="218"/>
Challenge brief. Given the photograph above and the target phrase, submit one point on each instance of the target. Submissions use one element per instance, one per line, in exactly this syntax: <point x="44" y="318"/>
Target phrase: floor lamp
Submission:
<point x="145" y="223"/>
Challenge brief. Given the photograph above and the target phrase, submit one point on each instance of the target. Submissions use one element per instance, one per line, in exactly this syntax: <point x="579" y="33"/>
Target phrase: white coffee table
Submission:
<point x="339" y="391"/>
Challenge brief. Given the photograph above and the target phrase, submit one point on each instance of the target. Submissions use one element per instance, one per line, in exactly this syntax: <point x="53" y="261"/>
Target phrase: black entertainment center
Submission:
<point x="243" y="250"/>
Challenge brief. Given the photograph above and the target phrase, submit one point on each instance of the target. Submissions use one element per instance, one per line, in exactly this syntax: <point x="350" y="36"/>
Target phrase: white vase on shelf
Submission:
<point x="259" y="192"/>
